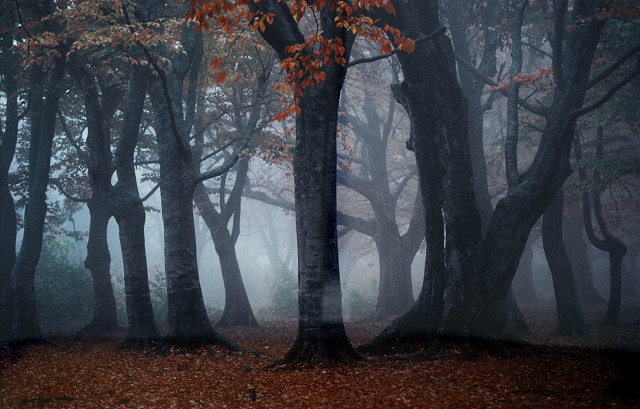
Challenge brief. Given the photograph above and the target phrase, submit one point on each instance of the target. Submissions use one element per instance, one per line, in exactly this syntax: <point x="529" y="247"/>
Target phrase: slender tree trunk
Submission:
<point x="100" y="169"/>
<point x="570" y="321"/>
<point x="237" y="309"/>
<point x="26" y="327"/>
<point x="98" y="261"/>
<point x="611" y="244"/>
<point x="127" y="208"/>
<point x="577" y="252"/>
<point x="8" y="219"/>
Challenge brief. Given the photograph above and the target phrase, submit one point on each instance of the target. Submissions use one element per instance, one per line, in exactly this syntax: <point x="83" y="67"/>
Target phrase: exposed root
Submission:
<point x="228" y="321"/>
<point x="325" y="349"/>
<point x="140" y="343"/>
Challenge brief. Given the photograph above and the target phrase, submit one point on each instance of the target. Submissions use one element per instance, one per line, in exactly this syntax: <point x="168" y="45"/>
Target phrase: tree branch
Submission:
<point x="66" y="194"/>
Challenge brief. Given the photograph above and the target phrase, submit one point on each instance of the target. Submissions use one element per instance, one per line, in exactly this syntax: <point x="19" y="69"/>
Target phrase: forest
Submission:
<point x="319" y="204"/>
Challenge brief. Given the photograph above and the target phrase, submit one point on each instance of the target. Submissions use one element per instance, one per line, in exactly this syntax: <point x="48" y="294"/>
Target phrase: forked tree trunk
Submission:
<point x="26" y="327"/>
<point x="569" y="312"/>
<point x="237" y="309"/>
<point x="98" y="261"/>
<point x="127" y="208"/>
<point x="609" y="243"/>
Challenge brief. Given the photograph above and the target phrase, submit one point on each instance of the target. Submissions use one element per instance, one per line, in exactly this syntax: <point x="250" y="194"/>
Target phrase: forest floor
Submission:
<point x="561" y="373"/>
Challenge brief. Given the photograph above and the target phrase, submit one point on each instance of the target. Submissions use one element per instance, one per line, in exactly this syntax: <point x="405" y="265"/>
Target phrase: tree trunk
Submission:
<point x="8" y="219"/>
<point x="26" y="327"/>
<point x="395" y="294"/>
<point x="611" y="244"/>
<point x="523" y="280"/>
<point x="127" y="208"/>
<point x="570" y="321"/>
<point x="474" y="273"/>
<point x="577" y="252"/>
<point x="187" y="317"/>
<point x="237" y="309"/>
<point x="98" y="261"/>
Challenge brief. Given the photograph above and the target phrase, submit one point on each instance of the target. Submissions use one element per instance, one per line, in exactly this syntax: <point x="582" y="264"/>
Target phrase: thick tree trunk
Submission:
<point x="577" y="252"/>
<point x="98" y="261"/>
<point x="522" y="286"/>
<point x="127" y="208"/>
<point x="570" y="321"/>
<point x="187" y="317"/>
<point x="26" y="327"/>
<point x="395" y="294"/>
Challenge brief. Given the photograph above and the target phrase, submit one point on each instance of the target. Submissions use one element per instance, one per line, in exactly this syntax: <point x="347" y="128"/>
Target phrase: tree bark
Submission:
<point x="98" y="261"/>
<point x="577" y="252"/>
<point x="523" y="280"/>
<point x="100" y="168"/>
<point x="26" y="327"/>
<point x="8" y="219"/>
<point x="395" y="294"/>
<point x="237" y="309"/>
<point x="321" y="335"/>
<point x="127" y="208"/>
<point x="477" y="272"/>
<point x="569" y="311"/>
<point x="611" y="244"/>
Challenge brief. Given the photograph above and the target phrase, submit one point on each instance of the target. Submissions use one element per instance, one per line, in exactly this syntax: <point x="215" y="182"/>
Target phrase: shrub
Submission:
<point x="63" y="288"/>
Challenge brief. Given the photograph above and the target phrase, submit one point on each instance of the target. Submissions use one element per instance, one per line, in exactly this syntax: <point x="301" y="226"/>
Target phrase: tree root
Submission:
<point x="321" y="351"/>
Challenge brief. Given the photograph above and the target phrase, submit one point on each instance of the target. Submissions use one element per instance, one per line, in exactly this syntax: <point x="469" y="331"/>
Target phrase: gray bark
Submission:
<point x="9" y="137"/>
<point x="569" y="311"/>
<point x="26" y="327"/>
<point x="126" y="206"/>
<point x="321" y="335"/>
<point x="577" y="252"/>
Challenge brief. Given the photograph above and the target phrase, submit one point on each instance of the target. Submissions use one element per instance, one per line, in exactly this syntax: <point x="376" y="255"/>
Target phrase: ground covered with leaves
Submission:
<point x="89" y="374"/>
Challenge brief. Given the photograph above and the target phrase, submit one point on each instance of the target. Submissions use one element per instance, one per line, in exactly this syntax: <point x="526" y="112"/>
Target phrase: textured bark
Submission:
<point x="321" y="335"/>
<point x="8" y="220"/>
<point x="26" y="327"/>
<point x="569" y="311"/>
<point x="187" y="316"/>
<point x="98" y="261"/>
<point x="99" y="109"/>
<point x="126" y="206"/>
<point x="577" y="252"/>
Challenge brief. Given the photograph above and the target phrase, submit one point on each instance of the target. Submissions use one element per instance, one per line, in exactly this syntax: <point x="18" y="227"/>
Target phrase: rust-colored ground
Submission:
<point x="86" y="374"/>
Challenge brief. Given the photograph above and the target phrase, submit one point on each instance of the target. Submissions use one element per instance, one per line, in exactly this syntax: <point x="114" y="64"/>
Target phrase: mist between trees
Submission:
<point x="455" y="166"/>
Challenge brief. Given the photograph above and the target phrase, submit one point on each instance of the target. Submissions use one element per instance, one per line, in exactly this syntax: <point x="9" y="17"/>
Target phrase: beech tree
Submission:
<point x="467" y="277"/>
<point x="384" y="188"/>
<point x="9" y="86"/>
<point x="46" y="88"/>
